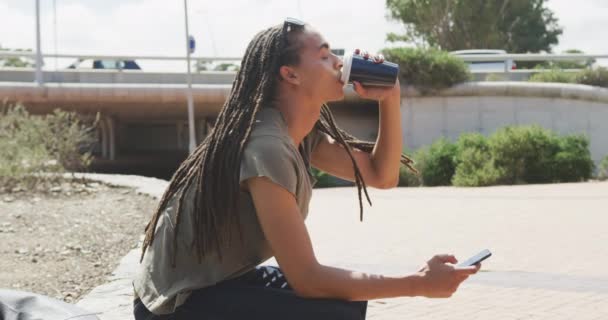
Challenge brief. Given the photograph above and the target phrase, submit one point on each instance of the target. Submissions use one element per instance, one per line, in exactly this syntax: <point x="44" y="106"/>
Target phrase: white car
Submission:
<point x="486" y="66"/>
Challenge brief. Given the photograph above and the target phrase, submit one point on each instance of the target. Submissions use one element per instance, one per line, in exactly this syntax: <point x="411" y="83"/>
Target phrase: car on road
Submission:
<point x="500" y="65"/>
<point x="108" y="64"/>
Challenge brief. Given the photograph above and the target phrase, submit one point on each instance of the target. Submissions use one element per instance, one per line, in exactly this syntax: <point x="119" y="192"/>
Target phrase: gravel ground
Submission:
<point x="66" y="242"/>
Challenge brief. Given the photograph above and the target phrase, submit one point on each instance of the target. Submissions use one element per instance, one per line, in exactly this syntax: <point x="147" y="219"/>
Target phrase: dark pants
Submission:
<point x="259" y="294"/>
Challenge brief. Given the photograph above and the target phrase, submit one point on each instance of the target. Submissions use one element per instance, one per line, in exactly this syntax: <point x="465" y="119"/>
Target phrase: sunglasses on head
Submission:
<point x="292" y="23"/>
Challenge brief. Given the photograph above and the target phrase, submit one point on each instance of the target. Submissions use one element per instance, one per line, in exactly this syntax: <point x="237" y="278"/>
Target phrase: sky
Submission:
<point x="224" y="28"/>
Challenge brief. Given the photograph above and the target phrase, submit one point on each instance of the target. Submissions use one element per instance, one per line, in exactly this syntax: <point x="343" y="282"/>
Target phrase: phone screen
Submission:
<point x="484" y="254"/>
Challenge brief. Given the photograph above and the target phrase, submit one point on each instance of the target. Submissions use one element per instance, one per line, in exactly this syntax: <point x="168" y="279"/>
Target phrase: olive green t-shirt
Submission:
<point x="268" y="153"/>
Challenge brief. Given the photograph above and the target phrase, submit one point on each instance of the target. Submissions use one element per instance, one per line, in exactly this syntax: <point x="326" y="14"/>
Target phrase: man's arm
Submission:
<point x="380" y="169"/>
<point x="284" y="228"/>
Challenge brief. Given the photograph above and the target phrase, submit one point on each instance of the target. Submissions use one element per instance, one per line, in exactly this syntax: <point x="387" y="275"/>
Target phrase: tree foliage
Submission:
<point x="513" y="25"/>
<point x="16" y="62"/>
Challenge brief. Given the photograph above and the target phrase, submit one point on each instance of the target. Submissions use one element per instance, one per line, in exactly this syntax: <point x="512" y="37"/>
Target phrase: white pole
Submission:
<point x="39" y="60"/>
<point x="192" y="144"/>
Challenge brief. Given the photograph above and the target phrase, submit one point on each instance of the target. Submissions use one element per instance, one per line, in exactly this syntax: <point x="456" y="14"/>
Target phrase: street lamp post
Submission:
<point x="192" y="144"/>
<point x="39" y="60"/>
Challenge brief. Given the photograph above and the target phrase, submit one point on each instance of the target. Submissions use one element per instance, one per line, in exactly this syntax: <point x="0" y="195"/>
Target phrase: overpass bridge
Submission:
<point x="144" y="114"/>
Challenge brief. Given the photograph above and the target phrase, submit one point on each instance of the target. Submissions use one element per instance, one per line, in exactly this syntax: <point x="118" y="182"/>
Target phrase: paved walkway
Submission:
<point x="549" y="244"/>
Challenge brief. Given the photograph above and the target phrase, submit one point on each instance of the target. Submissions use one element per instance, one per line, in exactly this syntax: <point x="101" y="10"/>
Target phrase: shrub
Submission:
<point x="593" y="77"/>
<point x="428" y="69"/>
<point x="69" y="141"/>
<point x="531" y="154"/>
<point x="407" y="178"/>
<point x="555" y="75"/>
<point x="436" y="163"/>
<point x="603" y="170"/>
<point x="323" y="178"/>
<point x="496" y="77"/>
<point x="34" y="146"/>
<point x="326" y="180"/>
<point x="475" y="166"/>
<point x="573" y="161"/>
<point x="523" y="154"/>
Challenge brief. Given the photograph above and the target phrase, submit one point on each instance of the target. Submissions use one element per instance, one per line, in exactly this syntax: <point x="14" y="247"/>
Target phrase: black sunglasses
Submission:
<point x="291" y="23"/>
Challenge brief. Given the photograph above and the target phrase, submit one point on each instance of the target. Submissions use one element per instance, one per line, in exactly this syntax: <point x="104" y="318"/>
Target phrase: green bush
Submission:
<point x="436" y="163"/>
<point x="428" y="69"/>
<point x="496" y="77"/>
<point x="523" y="154"/>
<point x="512" y="155"/>
<point x="603" y="170"/>
<point x="572" y="162"/>
<point x="34" y="146"/>
<point x="326" y="180"/>
<point x="407" y="178"/>
<point x="531" y="154"/>
<point x="475" y="166"/>
<point x="593" y="77"/>
<point x="555" y="75"/>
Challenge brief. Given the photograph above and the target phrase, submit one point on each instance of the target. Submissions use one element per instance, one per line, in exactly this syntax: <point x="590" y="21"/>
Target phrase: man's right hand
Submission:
<point x="441" y="278"/>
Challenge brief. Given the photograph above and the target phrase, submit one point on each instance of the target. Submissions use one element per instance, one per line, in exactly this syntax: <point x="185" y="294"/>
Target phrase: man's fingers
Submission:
<point x="446" y="258"/>
<point x="379" y="58"/>
<point x="466" y="270"/>
<point x="359" y="88"/>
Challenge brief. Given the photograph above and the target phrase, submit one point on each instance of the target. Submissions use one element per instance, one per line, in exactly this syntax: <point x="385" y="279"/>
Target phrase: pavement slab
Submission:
<point x="548" y="244"/>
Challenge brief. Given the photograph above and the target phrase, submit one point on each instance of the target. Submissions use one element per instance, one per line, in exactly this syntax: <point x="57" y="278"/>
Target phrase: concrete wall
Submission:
<point x="486" y="107"/>
<point x="428" y="119"/>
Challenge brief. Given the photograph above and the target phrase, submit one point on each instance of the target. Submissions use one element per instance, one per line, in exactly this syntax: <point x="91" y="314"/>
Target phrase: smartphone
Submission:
<point x="484" y="254"/>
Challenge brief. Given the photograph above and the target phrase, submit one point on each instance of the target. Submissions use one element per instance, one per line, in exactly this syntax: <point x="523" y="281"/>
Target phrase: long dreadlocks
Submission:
<point x="211" y="167"/>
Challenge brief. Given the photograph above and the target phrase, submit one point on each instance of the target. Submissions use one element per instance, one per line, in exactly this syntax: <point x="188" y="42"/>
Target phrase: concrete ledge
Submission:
<point x="519" y="89"/>
<point x="113" y="300"/>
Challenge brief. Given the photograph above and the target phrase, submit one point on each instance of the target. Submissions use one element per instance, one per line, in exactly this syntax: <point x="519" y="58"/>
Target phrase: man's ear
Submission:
<point x="289" y="74"/>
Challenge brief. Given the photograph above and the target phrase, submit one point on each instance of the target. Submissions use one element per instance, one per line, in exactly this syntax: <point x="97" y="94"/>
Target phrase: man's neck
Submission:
<point x="300" y="116"/>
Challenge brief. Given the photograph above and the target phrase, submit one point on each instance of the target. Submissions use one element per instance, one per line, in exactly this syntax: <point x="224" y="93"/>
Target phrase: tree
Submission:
<point x="513" y="25"/>
<point x="16" y="62"/>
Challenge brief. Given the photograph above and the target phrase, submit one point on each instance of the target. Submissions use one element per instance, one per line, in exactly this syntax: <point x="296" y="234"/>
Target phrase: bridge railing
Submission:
<point x="159" y="69"/>
<point x="517" y="74"/>
<point x="538" y="57"/>
<point x="32" y="55"/>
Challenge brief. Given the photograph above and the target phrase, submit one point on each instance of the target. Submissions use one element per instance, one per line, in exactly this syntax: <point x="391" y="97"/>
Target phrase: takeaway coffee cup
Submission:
<point x="367" y="72"/>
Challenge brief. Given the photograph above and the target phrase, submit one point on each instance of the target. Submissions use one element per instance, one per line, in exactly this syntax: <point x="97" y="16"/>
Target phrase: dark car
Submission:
<point x="105" y="64"/>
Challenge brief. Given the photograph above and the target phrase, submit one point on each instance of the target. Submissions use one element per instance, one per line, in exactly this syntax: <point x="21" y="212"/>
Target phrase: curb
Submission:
<point x="113" y="300"/>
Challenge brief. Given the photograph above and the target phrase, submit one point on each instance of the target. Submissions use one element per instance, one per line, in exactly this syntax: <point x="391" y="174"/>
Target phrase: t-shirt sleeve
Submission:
<point x="270" y="157"/>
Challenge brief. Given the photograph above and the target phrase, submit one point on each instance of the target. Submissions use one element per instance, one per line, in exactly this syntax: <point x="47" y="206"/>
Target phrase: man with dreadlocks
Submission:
<point x="242" y="196"/>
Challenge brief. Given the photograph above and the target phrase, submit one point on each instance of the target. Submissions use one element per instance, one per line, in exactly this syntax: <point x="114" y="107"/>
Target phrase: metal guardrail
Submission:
<point x="32" y="55"/>
<point x="466" y="58"/>
<point x="529" y="57"/>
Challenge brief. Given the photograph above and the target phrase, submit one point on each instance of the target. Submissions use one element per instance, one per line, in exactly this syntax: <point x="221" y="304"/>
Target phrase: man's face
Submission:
<point x="319" y="68"/>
